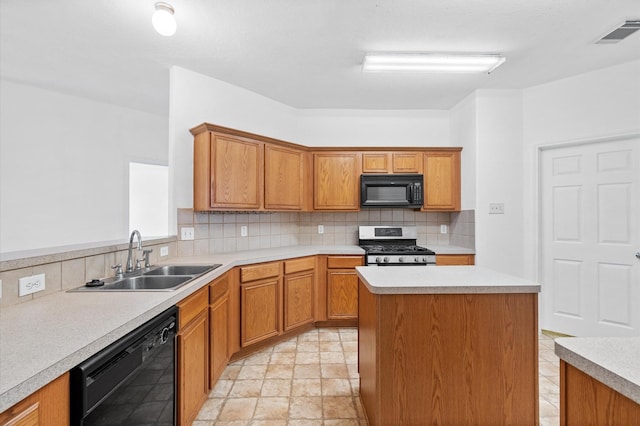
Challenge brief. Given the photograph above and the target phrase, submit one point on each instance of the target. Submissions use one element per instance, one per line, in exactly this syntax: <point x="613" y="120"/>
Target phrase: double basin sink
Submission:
<point x="158" y="278"/>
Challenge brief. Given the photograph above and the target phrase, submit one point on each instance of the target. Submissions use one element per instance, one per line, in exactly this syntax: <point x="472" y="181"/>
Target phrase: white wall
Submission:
<point x="64" y="166"/>
<point x="605" y="102"/>
<point x="463" y="133"/>
<point x="499" y="237"/>
<point x="196" y="98"/>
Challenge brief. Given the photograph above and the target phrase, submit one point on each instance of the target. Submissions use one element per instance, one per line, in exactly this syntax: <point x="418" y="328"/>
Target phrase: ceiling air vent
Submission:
<point x="621" y="32"/>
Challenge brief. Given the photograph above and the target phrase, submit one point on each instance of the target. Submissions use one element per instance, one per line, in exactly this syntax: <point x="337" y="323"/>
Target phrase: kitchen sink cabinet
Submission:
<point x="299" y="288"/>
<point x="342" y="287"/>
<point x="260" y="288"/>
<point x="336" y="183"/>
<point x="47" y="406"/>
<point x="455" y="259"/>
<point x="192" y="356"/>
<point x="392" y="162"/>
<point x="442" y="180"/>
<point x="219" y="309"/>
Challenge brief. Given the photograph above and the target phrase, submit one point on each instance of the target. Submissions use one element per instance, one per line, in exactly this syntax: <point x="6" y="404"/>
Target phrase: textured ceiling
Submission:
<point x="304" y="53"/>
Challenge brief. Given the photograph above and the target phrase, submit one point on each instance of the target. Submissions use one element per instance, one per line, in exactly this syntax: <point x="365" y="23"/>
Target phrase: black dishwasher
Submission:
<point x="130" y="382"/>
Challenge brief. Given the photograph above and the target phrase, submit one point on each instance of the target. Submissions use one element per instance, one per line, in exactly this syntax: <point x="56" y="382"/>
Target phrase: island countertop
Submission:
<point x="613" y="361"/>
<point x="445" y="280"/>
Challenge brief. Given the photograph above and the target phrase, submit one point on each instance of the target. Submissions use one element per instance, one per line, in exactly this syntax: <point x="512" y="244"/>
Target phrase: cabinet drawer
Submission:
<point x="258" y="272"/>
<point x="192" y="306"/>
<point x="218" y="288"/>
<point x="297" y="265"/>
<point x="334" y="262"/>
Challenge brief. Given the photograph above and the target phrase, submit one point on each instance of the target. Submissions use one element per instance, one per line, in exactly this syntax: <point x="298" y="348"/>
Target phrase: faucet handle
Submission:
<point x="138" y="265"/>
<point x="118" y="268"/>
<point x="145" y="256"/>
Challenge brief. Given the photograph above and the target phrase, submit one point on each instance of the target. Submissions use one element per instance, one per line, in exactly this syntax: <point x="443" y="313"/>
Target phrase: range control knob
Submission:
<point x="401" y="260"/>
<point x="386" y="259"/>
<point x="378" y="259"/>
<point x="416" y="260"/>
<point x="424" y="259"/>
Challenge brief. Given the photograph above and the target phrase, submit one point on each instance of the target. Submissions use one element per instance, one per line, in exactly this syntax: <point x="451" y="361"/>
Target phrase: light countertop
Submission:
<point x="46" y="337"/>
<point x="442" y="279"/>
<point x="613" y="361"/>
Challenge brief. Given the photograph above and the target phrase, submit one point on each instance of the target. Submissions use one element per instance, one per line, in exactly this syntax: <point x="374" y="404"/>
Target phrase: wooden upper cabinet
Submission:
<point x="336" y="183"/>
<point x="392" y="162"/>
<point x="442" y="181"/>
<point x="236" y="172"/>
<point x="283" y="178"/>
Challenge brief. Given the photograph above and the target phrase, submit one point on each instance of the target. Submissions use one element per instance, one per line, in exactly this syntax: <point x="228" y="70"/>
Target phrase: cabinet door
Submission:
<point x="336" y="181"/>
<point x="442" y="181"/>
<point x="454" y="259"/>
<point x="407" y="162"/>
<point x="298" y="299"/>
<point x="218" y="338"/>
<point x="236" y="175"/>
<point x="48" y="406"/>
<point x="283" y="178"/>
<point x="342" y="294"/>
<point x="375" y="162"/>
<point x="259" y="311"/>
<point x="192" y="368"/>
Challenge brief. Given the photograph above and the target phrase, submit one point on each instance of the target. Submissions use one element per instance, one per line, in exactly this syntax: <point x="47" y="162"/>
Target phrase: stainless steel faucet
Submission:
<point x="135" y="233"/>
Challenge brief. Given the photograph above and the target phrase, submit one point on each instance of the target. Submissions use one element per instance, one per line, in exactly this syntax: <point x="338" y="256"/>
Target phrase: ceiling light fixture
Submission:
<point x="431" y="62"/>
<point x="163" y="20"/>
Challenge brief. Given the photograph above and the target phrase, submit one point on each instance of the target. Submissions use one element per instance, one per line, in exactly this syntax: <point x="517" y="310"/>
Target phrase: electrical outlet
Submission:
<point x="444" y="229"/>
<point x="243" y="231"/>
<point x="496" y="208"/>
<point x="164" y="251"/>
<point x="320" y="229"/>
<point x="187" y="233"/>
<point x="32" y="284"/>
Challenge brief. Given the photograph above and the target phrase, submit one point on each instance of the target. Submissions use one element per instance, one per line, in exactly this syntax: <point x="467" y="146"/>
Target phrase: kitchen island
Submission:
<point x="448" y="345"/>
<point x="599" y="380"/>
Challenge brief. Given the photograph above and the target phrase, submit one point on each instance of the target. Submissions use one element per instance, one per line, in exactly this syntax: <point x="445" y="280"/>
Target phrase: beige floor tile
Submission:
<point x="231" y="372"/>
<point x="221" y="388"/>
<point x="279" y="371"/>
<point x="331" y="346"/>
<point x="549" y="421"/>
<point x="283" y="358"/>
<point x="307" y="358"/>
<point x="211" y="409"/>
<point x="332" y="358"/>
<point x="306" y="371"/>
<point x="336" y="387"/>
<point x="272" y="408"/>
<point x="252" y="372"/>
<point x="338" y="407"/>
<point x="308" y="347"/>
<point x="342" y="422"/>
<point x="306" y="387"/>
<point x="329" y="335"/>
<point x="310" y="336"/>
<point x="548" y="369"/>
<point x="547" y="409"/>
<point x="288" y="346"/>
<point x="276" y="387"/>
<point x="238" y="409"/>
<point x="268" y="423"/>
<point x="258" y="359"/>
<point x="350" y="346"/>
<point x="305" y="407"/>
<point x="245" y="388"/>
<point x="334" y="371"/>
<point x="304" y="422"/>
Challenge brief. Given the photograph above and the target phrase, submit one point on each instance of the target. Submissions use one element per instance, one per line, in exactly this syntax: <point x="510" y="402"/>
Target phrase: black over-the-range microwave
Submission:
<point x="377" y="190"/>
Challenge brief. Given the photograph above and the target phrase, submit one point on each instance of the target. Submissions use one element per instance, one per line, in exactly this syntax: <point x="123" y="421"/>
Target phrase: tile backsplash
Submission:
<point x="217" y="232"/>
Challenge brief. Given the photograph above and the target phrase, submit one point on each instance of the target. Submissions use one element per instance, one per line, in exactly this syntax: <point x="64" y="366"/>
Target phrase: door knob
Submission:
<point x="638" y="254"/>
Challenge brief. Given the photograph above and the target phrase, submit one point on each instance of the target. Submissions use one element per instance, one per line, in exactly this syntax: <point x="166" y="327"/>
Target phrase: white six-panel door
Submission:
<point x="590" y="233"/>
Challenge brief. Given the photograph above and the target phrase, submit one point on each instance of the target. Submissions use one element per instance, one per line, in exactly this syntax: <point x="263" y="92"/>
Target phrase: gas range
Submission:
<point x="393" y="245"/>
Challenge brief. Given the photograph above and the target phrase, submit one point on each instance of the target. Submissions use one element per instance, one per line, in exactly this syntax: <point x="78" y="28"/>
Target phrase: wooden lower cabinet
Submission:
<point x="219" y="310"/>
<point x="448" y="359"/>
<point x="192" y="360"/>
<point x="455" y="259"/>
<point x="587" y="401"/>
<point x="47" y="406"/>
<point x="259" y="310"/>
<point x="298" y="299"/>
<point x="342" y="287"/>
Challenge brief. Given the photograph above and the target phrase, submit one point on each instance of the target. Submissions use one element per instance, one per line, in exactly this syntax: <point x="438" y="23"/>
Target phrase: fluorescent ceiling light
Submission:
<point x="163" y="20"/>
<point x="431" y="62"/>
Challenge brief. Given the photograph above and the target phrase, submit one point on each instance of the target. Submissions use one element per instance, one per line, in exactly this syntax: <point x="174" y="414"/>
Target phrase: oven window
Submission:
<point x="386" y="193"/>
